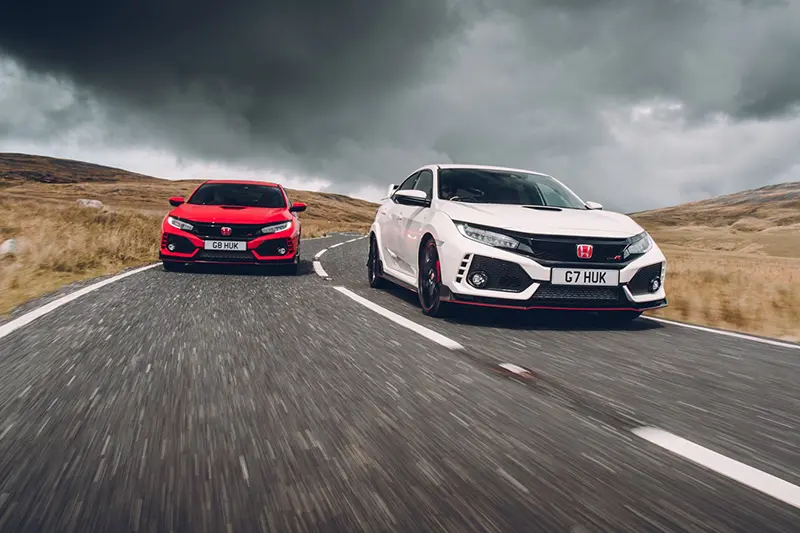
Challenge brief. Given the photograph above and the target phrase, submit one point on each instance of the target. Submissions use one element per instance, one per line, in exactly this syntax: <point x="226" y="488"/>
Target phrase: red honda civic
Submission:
<point x="232" y="222"/>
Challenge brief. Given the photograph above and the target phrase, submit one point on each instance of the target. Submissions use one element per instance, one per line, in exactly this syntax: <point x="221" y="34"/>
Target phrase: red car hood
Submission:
<point x="231" y="215"/>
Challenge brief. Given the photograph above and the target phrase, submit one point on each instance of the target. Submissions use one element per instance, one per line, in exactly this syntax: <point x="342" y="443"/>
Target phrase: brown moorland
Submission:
<point x="734" y="261"/>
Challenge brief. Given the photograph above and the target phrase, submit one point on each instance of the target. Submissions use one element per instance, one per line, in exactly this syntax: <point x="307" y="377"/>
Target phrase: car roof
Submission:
<point x="483" y="167"/>
<point x="244" y="182"/>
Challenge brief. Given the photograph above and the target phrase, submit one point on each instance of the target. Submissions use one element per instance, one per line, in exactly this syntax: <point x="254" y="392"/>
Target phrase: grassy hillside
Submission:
<point x="734" y="261"/>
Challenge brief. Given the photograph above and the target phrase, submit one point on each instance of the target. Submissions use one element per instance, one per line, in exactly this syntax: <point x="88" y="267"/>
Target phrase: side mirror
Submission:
<point x="412" y="197"/>
<point x="297" y="207"/>
<point x="175" y="201"/>
<point x="594" y="205"/>
<point x="393" y="187"/>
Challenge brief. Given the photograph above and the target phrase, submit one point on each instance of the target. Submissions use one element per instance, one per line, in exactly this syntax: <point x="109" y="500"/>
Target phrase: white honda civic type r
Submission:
<point x="511" y="238"/>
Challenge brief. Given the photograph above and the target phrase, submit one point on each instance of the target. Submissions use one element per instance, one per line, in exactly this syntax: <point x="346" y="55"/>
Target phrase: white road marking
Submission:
<point x="514" y="368"/>
<point x="514" y="483"/>
<point x="245" y="473"/>
<point x="744" y="474"/>
<point x="319" y="270"/>
<point x="318" y="266"/>
<point x="30" y="316"/>
<point x="726" y="333"/>
<point x="402" y="321"/>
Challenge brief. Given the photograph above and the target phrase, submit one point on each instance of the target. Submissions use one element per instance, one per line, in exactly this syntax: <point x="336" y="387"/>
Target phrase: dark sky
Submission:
<point x="633" y="103"/>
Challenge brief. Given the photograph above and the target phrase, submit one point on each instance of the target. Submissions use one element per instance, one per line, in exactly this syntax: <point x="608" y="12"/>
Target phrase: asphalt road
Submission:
<point x="212" y="401"/>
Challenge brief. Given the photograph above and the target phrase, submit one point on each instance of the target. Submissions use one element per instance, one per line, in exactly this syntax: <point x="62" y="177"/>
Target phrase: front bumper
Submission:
<point x="184" y="247"/>
<point x="516" y="281"/>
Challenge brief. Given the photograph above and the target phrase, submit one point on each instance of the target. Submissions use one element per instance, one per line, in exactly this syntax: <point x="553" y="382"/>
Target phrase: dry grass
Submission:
<point x="66" y="243"/>
<point x="63" y="244"/>
<point x="734" y="261"/>
<point x="734" y="291"/>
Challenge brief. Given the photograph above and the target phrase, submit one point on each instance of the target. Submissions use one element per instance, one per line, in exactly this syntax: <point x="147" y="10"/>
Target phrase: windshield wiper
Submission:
<point x="543" y="207"/>
<point x="464" y="198"/>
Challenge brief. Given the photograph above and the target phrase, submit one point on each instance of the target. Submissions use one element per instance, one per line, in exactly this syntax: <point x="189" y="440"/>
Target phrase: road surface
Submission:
<point x="212" y="401"/>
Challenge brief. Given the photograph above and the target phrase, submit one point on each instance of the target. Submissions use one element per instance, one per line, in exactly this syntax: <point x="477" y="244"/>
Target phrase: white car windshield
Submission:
<point x="505" y="187"/>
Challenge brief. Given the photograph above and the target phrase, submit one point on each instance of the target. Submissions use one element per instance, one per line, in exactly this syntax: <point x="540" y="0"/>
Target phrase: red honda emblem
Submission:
<point x="585" y="251"/>
<point x="226" y="232"/>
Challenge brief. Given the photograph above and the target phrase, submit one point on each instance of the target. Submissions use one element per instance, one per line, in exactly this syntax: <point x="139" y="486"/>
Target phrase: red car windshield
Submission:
<point x="238" y="194"/>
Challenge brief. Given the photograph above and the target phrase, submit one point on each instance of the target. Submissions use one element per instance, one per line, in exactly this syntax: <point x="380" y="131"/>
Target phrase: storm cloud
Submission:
<point x="361" y="92"/>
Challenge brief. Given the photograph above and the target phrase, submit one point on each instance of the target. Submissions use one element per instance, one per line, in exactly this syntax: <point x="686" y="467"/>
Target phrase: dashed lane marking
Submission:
<point x="318" y="265"/>
<point x="744" y="474"/>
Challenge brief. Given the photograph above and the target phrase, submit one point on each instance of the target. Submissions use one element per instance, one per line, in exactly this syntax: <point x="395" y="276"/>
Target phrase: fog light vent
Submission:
<point x="479" y="279"/>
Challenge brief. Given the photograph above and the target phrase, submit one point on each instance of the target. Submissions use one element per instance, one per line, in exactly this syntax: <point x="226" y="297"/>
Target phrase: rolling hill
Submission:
<point x="734" y="261"/>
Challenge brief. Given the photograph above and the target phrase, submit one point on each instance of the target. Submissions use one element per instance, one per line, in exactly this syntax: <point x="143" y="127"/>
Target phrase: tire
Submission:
<point x="172" y="266"/>
<point x="292" y="269"/>
<point x="429" y="281"/>
<point x="374" y="265"/>
<point x="618" y="318"/>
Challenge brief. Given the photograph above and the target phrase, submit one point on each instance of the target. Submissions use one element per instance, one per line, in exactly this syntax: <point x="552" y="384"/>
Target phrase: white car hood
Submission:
<point x="567" y="222"/>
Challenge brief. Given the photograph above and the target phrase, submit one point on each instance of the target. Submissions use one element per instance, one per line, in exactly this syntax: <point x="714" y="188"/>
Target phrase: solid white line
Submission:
<point x="406" y="323"/>
<point x="319" y="254"/>
<point x="746" y="475"/>
<point x="319" y="270"/>
<point x="29" y="317"/>
<point x="726" y="333"/>
<point x="336" y="245"/>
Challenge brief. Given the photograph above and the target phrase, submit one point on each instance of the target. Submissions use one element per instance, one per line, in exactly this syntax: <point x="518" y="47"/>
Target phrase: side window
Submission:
<point x="408" y="183"/>
<point x="425" y="182"/>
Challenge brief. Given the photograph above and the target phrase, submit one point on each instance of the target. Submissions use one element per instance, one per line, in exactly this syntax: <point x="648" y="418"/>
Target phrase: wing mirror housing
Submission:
<point x="594" y="205"/>
<point x="175" y="201"/>
<point x="393" y="187"/>
<point x="412" y="197"/>
<point x="298" y="207"/>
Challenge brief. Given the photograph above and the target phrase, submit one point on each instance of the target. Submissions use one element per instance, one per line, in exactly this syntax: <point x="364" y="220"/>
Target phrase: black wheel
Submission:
<point x="429" y="282"/>
<point x="172" y="266"/>
<point x="618" y="318"/>
<point x="374" y="265"/>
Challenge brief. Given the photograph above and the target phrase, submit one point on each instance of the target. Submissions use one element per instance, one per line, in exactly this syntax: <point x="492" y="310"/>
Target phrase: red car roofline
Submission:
<point x="245" y="182"/>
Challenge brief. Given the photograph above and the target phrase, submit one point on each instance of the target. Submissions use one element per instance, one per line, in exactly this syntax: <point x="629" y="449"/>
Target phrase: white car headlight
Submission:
<point x="487" y="237"/>
<point x="275" y="228"/>
<point x="641" y="245"/>
<point x="180" y="224"/>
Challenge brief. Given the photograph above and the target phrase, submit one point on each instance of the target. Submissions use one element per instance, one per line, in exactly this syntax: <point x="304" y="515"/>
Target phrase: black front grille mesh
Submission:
<point x="219" y="255"/>
<point x="640" y="283"/>
<point x="238" y="231"/>
<point x="270" y="247"/>
<point x="182" y="245"/>
<point x="547" y="292"/>
<point x="565" y="250"/>
<point x="503" y="275"/>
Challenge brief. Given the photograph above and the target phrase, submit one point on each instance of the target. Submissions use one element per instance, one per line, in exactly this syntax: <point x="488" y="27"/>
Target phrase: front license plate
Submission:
<point x="228" y="246"/>
<point x="583" y="276"/>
